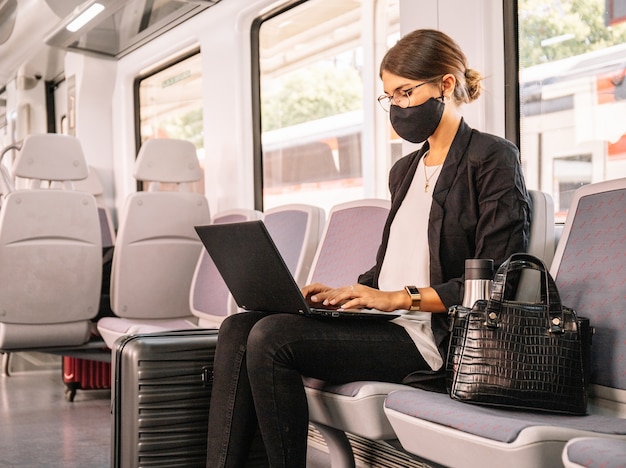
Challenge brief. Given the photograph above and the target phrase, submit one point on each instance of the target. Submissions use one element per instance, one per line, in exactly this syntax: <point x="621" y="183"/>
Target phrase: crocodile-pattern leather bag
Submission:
<point x="519" y="354"/>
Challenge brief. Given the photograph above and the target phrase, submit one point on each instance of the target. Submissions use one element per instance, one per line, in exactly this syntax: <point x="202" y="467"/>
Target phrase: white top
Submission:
<point x="407" y="259"/>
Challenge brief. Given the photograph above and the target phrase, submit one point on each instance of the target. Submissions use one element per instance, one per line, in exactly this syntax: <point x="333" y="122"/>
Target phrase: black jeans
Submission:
<point x="259" y="364"/>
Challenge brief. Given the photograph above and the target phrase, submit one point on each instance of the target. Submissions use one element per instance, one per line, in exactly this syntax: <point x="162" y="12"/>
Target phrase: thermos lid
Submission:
<point x="478" y="268"/>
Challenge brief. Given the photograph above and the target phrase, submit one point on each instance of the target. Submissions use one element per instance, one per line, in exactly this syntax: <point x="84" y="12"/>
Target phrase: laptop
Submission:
<point x="257" y="275"/>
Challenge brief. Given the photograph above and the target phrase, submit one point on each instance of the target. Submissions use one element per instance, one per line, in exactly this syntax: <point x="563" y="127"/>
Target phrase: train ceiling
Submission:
<point x="34" y="34"/>
<point x="120" y="26"/>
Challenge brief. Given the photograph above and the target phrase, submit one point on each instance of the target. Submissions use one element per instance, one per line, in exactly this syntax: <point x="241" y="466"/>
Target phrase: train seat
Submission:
<point x="540" y="242"/>
<point x="209" y="297"/>
<point x="205" y="279"/>
<point x="589" y="452"/>
<point x="157" y="248"/>
<point x="347" y="248"/>
<point x="294" y="228"/>
<point x="50" y="248"/>
<point x="93" y="185"/>
<point x="588" y="268"/>
<point x="357" y="407"/>
<point x="349" y="241"/>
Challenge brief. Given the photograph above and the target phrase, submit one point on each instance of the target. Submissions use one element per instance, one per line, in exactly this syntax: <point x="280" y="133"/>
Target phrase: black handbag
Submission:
<point x="516" y="354"/>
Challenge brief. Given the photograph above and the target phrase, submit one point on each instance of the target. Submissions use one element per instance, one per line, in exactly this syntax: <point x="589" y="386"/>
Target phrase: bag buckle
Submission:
<point x="556" y="326"/>
<point x="491" y="320"/>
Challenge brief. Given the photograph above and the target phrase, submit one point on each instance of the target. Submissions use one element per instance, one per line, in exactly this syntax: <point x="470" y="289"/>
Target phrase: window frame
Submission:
<point x="257" y="147"/>
<point x="136" y="95"/>
<point x="512" y="108"/>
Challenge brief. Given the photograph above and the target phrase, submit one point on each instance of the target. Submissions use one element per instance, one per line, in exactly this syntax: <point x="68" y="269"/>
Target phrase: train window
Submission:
<point x="572" y="94"/>
<point x="313" y="61"/>
<point x="170" y="104"/>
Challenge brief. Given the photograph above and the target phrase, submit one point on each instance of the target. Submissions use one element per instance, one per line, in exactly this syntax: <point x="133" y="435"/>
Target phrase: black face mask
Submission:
<point x="417" y="123"/>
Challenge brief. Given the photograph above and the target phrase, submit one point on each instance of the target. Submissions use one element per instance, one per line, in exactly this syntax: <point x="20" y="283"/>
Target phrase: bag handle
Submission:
<point x="549" y="292"/>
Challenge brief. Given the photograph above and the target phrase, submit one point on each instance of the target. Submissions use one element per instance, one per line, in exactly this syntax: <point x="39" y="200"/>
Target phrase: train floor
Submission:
<point x="39" y="427"/>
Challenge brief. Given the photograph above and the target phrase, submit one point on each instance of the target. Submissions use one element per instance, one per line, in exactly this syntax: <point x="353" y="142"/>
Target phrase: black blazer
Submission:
<point x="480" y="209"/>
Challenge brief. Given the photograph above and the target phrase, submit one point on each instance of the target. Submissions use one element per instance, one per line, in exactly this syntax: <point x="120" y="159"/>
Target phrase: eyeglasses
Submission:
<point x="400" y="98"/>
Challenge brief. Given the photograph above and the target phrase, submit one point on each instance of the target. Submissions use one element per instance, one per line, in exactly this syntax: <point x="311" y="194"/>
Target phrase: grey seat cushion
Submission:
<point x="596" y="452"/>
<point x="492" y="423"/>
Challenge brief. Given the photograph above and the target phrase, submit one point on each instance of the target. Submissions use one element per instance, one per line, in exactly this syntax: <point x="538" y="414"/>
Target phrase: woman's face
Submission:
<point x="406" y="92"/>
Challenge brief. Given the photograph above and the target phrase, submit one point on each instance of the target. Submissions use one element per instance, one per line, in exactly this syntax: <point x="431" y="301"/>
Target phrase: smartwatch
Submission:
<point x="416" y="297"/>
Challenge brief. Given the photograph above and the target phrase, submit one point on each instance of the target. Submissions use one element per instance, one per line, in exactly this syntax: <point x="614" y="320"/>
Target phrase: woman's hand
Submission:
<point x="315" y="292"/>
<point x="356" y="296"/>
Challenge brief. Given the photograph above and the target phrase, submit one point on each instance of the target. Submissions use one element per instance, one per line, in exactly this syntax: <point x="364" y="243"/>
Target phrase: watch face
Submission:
<point x="412" y="290"/>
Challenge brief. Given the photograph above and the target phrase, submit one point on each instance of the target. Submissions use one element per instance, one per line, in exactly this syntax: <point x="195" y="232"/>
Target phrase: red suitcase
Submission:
<point x="87" y="374"/>
<point x="84" y="374"/>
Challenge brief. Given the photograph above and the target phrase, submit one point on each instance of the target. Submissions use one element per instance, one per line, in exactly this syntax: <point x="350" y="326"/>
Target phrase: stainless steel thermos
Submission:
<point x="478" y="278"/>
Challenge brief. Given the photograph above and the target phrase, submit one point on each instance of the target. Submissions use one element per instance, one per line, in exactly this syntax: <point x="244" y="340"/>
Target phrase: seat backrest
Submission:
<point x="93" y="184"/>
<point x="167" y="161"/>
<point x="540" y="245"/>
<point x="589" y="268"/>
<point x="541" y="242"/>
<point x="50" y="248"/>
<point x="157" y="247"/>
<point x="209" y="297"/>
<point x="349" y="243"/>
<point x="296" y="231"/>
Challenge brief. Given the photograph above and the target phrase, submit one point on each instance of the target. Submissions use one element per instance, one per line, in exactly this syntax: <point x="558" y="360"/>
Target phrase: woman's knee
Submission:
<point x="270" y="336"/>
<point x="264" y="332"/>
<point x="237" y="327"/>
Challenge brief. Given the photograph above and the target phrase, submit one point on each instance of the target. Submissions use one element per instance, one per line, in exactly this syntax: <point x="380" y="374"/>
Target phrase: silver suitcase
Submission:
<point x="160" y="398"/>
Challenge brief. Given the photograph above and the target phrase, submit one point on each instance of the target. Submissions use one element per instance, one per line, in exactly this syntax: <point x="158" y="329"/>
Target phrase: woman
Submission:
<point x="462" y="195"/>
